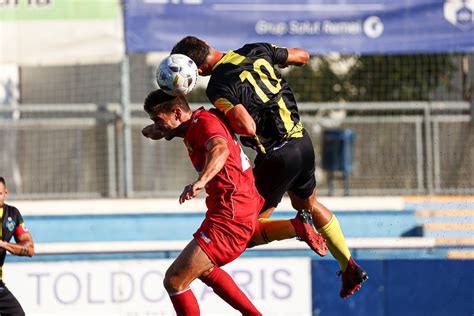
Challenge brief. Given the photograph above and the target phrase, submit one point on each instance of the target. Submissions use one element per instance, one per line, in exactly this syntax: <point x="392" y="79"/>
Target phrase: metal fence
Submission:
<point x="78" y="151"/>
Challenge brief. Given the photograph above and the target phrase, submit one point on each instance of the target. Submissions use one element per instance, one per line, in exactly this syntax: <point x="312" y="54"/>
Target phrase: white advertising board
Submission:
<point x="277" y="286"/>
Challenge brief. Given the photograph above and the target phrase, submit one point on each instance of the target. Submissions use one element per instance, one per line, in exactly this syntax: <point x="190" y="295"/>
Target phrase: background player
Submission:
<point x="233" y="202"/>
<point x="261" y="107"/>
<point x="12" y="226"/>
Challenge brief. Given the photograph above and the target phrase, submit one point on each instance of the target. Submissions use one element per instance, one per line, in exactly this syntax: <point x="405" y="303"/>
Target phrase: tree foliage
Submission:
<point x="372" y="78"/>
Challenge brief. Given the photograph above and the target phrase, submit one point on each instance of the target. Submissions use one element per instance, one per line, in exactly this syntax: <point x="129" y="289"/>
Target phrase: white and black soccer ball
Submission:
<point x="177" y="74"/>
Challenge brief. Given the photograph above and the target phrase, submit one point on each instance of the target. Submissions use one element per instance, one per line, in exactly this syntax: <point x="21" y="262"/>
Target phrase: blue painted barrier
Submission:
<point x="181" y="226"/>
<point x="398" y="287"/>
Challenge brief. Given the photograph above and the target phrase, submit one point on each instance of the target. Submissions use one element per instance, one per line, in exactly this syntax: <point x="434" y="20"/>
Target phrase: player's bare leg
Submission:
<point x="193" y="263"/>
<point x="328" y="225"/>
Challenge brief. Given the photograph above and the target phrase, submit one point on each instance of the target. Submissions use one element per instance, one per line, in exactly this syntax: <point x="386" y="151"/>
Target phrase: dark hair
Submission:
<point x="160" y="101"/>
<point x="194" y="48"/>
<point x="2" y="180"/>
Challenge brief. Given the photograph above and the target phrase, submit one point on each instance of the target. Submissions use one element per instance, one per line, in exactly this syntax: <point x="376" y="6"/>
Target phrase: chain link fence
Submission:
<point x="74" y="131"/>
<point x="76" y="151"/>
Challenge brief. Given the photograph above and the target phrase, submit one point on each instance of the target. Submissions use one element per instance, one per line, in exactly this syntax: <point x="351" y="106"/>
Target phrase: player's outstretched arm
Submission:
<point x="241" y="121"/>
<point x="24" y="245"/>
<point x="296" y="57"/>
<point x="217" y="155"/>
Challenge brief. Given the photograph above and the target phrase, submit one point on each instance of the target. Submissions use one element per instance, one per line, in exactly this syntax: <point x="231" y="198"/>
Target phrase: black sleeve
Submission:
<point x="222" y="95"/>
<point x="17" y="217"/>
<point x="276" y="54"/>
<point x="281" y="55"/>
<point x="20" y="227"/>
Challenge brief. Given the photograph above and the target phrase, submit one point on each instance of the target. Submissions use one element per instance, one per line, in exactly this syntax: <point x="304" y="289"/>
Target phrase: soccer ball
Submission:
<point x="177" y="74"/>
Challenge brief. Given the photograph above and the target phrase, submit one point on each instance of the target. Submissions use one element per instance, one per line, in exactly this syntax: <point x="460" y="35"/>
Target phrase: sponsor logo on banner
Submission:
<point x="460" y="13"/>
<point x="277" y="286"/>
<point x="373" y="27"/>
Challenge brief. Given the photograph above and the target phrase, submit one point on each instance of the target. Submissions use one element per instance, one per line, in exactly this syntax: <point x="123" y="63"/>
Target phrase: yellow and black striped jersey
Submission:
<point x="248" y="76"/>
<point x="12" y="225"/>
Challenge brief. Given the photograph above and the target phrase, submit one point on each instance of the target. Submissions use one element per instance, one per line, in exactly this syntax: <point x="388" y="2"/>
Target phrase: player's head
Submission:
<point x="3" y="191"/>
<point x="168" y="113"/>
<point x="194" y="48"/>
<point x="203" y="55"/>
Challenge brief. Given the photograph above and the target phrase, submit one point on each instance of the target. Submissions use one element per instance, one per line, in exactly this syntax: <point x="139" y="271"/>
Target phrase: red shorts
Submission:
<point x="225" y="240"/>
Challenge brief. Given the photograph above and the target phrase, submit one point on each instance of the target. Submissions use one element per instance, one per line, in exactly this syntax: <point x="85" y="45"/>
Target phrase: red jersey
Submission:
<point x="232" y="192"/>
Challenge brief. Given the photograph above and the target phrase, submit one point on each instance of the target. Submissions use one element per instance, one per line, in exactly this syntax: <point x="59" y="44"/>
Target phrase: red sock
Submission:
<point x="225" y="287"/>
<point x="185" y="303"/>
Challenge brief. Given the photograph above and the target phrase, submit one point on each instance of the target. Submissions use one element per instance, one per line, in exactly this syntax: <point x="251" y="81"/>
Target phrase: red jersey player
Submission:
<point x="233" y="201"/>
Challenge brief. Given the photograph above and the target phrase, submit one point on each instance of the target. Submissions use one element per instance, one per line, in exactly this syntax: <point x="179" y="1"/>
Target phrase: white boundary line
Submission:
<point x="171" y="205"/>
<point x="178" y="245"/>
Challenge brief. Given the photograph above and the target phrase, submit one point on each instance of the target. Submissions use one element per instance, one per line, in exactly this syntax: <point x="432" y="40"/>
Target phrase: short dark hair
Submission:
<point x="2" y="180"/>
<point x="160" y="101"/>
<point x="194" y="48"/>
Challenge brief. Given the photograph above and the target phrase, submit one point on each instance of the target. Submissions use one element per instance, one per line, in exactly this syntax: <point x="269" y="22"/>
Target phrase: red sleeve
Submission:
<point x="20" y="230"/>
<point x="209" y="127"/>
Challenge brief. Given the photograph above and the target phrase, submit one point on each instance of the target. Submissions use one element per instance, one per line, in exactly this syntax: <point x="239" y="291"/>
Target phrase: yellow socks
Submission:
<point x="269" y="230"/>
<point x="335" y="241"/>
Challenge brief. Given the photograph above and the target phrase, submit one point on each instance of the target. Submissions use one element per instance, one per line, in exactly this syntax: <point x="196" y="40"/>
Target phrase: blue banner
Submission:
<point x="320" y="26"/>
<point x="408" y="287"/>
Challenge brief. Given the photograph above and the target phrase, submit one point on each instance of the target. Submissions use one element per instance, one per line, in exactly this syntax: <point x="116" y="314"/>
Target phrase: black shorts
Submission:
<point x="288" y="168"/>
<point x="9" y="305"/>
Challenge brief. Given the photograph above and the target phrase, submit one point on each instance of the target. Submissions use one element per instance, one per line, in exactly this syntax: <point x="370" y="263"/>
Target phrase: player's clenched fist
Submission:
<point x="190" y="191"/>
